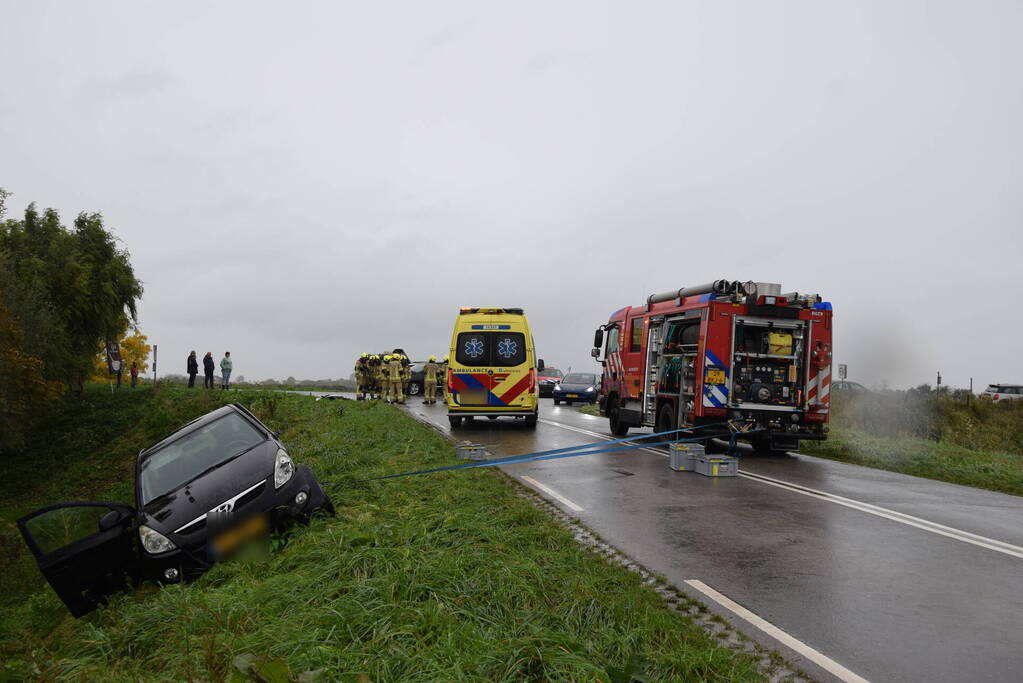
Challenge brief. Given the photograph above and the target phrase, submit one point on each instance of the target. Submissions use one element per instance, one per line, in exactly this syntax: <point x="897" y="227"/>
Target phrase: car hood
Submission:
<point x="171" y="512"/>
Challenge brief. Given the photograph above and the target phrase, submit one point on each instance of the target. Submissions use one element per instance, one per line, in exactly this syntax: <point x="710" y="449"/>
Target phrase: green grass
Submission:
<point x="450" y="576"/>
<point x="978" y="444"/>
<point x="923" y="458"/>
<point x="590" y="409"/>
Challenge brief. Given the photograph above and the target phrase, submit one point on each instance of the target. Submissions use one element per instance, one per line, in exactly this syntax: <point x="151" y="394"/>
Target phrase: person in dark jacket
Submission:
<point x="193" y="369"/>
<point x="208" y="366"/>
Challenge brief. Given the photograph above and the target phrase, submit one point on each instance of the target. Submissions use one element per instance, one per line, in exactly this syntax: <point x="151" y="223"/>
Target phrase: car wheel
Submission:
<point x="455" y="422"/>
<point x="568" y="403"/>
<point x="557" y="402"/>
<point x="414" y="389"/>
<point x="532" y="420"/>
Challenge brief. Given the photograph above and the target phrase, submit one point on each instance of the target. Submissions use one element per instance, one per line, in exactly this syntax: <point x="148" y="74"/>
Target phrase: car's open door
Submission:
<point x="86" y="551"/>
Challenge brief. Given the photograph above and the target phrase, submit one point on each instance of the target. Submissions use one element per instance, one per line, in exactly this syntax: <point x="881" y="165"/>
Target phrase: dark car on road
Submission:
<point x="415" y="387"/>
<point x="576" y="387"/>
<point x="201" y="493"/>
<point x="547" y="378"/>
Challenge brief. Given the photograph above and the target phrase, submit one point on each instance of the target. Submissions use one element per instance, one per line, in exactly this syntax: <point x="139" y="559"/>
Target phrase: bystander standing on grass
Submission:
<point x="192" y="367"/>
<point x="226" y="365"/>
<point x="208" y="367"/>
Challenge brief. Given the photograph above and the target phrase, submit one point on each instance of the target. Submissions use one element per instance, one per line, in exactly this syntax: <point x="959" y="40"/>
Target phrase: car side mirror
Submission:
<point x="598" y="338"/>
<point x="595" y="353"/>
<point x="110" y="520"/>
<point x="539" y="365"/>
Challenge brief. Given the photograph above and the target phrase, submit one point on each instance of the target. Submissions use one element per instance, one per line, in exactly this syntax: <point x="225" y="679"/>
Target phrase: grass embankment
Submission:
<point x="449" y="576"/>
<point x="590" y="409"/>
<point x="980" y="444"/>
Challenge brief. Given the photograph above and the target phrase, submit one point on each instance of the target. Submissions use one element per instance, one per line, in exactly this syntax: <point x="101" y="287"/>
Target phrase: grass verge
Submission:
<point x="923" y="458"/>
<point x="590" y="409"/>
<point x="974" y="443"/>
<point x="450" y="576"/>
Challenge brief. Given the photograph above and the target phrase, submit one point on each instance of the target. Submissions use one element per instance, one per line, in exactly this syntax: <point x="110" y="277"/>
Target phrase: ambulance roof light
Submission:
<point x="490" y="311"/>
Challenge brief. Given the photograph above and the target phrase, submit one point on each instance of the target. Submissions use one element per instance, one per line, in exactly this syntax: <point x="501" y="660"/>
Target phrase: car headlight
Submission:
<point x="154" y="542"/>
<point x="284" y="469"/>
<point x="590" y="390"/>
<point x="557" y="387"/>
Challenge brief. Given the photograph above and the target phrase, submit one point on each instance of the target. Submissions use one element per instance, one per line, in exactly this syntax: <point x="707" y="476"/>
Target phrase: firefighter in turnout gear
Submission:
<point x="395" y="386"/>
<point x="406" y="369"/>
<point x="430" y="380"/>
<point x="381" y="376"/>
<point x="442" y="377"/>
<point x="362" y="377"/>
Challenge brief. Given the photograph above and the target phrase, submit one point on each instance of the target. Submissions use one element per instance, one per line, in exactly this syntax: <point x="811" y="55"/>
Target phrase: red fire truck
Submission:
<point x="726" y="351"/>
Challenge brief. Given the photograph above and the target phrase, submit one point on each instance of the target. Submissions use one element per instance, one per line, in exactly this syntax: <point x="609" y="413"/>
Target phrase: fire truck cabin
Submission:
<point x="724" y="351"/>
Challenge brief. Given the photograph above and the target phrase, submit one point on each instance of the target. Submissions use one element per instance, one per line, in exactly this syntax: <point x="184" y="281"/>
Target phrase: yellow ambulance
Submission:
<point x="492" y="367"/>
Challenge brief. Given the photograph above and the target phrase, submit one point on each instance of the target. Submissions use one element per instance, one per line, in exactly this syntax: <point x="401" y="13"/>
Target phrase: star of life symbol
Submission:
<point x="507" y="348"/>
<point x="474" y="348"/>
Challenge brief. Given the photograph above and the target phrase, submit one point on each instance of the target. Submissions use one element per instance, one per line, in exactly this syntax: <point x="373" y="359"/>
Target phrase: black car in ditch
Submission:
<point x="206" y="489"/>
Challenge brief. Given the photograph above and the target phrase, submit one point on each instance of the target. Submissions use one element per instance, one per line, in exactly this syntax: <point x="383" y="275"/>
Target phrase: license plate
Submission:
<point x="228" y="541"/>
<point x="571" y="395"/>
<point x="715" y="377"/>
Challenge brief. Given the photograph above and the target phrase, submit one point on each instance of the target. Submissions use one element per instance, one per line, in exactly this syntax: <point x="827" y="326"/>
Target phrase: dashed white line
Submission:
<point x="823" y="661"/>
<point x="869" y="508"/>
<point x="553" y="494"/>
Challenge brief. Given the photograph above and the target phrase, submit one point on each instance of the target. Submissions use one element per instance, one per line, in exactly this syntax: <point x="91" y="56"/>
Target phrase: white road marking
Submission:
<point x="826" y="663"/>
<point x="895" y="516"/>
<point x="553" y="494"/>
<point x="869" y="508"/>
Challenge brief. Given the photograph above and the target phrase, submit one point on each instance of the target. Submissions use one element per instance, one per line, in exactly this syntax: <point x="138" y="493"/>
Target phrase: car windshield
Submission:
<point x="579" y="378"/>
<point x="551" y="372"/>
<point x="182" y="460"/>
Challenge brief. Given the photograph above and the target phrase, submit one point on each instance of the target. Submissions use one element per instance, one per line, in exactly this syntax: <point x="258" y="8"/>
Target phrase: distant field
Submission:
<point x="443" y="577"/>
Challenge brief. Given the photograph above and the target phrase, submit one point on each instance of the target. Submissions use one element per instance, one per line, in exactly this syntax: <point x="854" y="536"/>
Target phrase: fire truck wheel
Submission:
<point x="665" y="419"/>
<point x="617" y="428"/>
<point x="456" y="422"/>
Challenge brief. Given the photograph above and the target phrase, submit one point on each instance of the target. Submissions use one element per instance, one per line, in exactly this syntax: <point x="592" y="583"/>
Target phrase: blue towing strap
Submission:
<point x="569" y="452"/>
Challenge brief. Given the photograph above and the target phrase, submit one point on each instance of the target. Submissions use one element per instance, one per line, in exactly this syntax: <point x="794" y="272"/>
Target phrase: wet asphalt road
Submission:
<point x="926" y="586"/>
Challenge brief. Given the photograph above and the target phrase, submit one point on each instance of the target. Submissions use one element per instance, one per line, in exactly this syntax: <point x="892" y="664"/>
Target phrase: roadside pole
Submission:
<point x="154" y="365"/>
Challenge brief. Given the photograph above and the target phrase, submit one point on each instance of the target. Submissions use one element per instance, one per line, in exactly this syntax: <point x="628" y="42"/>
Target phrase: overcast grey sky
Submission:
<point x="301" y="182"/>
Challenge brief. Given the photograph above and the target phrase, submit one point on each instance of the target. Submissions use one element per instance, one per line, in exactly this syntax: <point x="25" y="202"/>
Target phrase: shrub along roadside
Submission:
<point x="439" y="577"/>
